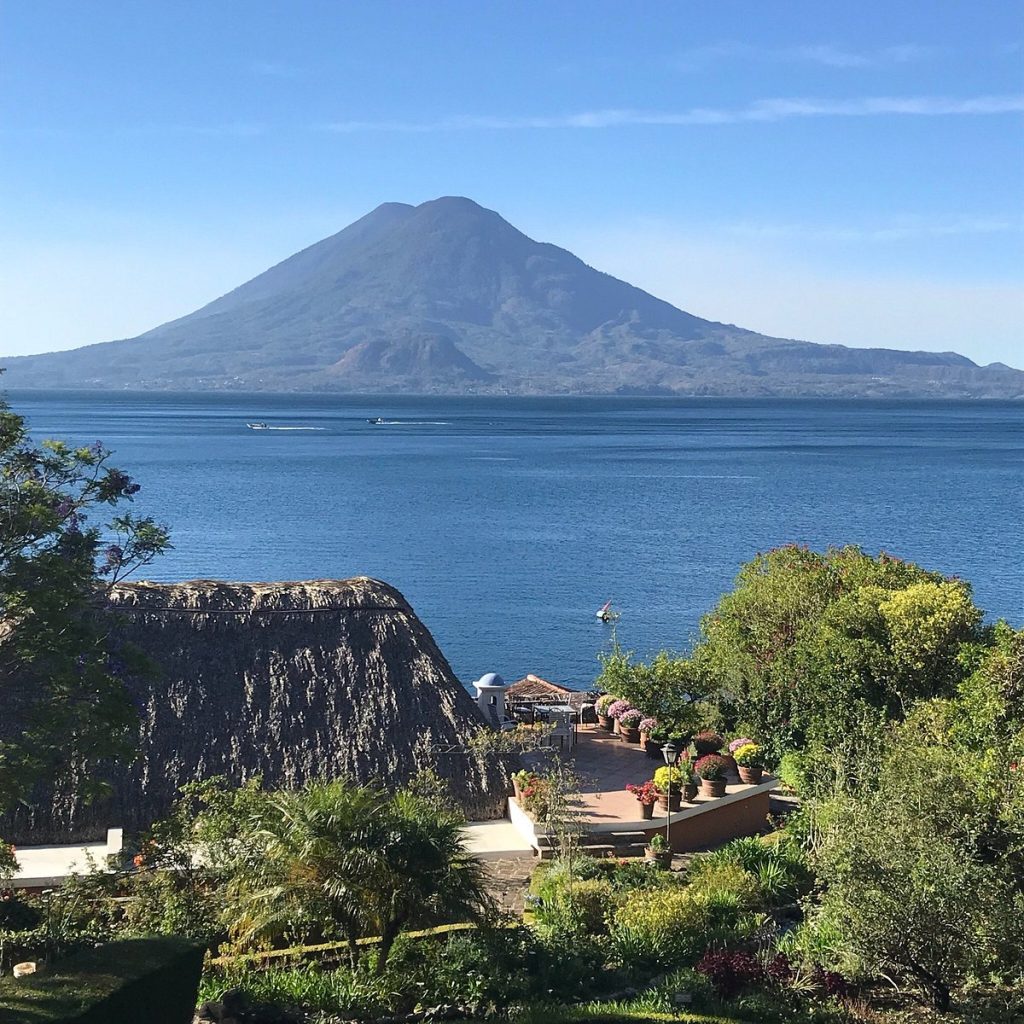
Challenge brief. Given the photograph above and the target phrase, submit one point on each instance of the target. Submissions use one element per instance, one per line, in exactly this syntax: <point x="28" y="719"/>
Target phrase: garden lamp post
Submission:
<point x="671" y="753"/>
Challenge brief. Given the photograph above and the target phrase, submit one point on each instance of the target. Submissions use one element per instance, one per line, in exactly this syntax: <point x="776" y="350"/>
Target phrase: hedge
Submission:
<point x="153" y="980"/>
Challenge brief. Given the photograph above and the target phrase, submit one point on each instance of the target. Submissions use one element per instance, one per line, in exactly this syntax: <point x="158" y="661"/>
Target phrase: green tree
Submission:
<point x="669" y="687"/>
<point x="339" y="859"/>
<point x="922" y="873"/>
<point x="64" y="702"/>
<point x="810" y="649"/>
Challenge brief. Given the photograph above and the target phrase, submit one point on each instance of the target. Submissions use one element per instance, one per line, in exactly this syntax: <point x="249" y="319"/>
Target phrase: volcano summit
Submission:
<point x="449" y="298"/>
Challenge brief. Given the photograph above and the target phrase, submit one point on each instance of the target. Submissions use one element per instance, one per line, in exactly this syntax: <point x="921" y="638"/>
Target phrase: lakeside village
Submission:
<point x="260" y="803"/>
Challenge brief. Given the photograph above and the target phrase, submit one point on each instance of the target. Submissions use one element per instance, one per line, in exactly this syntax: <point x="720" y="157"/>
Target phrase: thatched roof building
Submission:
<point x="288" y="680"/>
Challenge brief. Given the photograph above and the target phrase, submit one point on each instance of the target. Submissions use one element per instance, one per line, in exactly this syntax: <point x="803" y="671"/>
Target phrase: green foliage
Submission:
<point x="917" y="870"/>
<point x="776" y="863"/>
<point x="151" y="979"/>
<point x="664" y="928"/>
<point x="69" y="710"/>
<point x="339" y="860"/>
<point x="667" y="688"/>
<point x="810" y="649"/>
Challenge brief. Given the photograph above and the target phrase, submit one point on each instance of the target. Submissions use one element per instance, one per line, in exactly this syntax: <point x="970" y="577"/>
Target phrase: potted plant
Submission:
<point x="688" y="787"/>
<point x="708" y="742"/>
<point x="710" y="769"/>
<point x="616" y="710"/>
<point x="750" y="763"/>
<point x="536" y="798"/>
<point x="733" y="746"/>
<point x="647" y="725"/>
<point x="669" y="784"/>
<point x="629" y="725"/>
<point x="601" y="706"/>
<point x="646" y="795"/>
<point x="658" y="853"/>
<point x="520" y="780"/>
<point x="657" y="737"/>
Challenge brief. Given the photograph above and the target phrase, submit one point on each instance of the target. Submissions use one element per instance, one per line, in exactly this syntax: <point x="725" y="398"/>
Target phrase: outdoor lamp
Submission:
<point x="671" y="753"/>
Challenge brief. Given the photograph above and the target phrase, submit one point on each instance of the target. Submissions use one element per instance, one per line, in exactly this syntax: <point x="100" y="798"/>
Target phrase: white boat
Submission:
<point x="605" y="613"/>
<point x="260" y="425"/>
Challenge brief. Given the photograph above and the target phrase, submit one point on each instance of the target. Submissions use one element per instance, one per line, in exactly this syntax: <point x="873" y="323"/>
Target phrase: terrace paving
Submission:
<point x="605" y="765"/>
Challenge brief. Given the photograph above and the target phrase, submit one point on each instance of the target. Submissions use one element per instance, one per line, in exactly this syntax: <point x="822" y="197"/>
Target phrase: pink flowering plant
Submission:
<point x="648" y="724"/>
<point x="741" y="742"/>
<point x="619" y="708"/>
<point x="631" y="719"/>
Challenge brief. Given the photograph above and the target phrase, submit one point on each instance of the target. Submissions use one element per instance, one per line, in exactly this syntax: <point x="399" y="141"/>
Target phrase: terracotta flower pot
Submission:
<point x="653" y="749"/>
<point x="628" y="735"/>
<point x="662" y="859"/>
<point x="615" y="725"/>
<point x="666" y="804"/>
<point x="689" y="791"/>
<point x="712" y="787"/>
<point x="751" y="774"/>
<point x="646" y="811"/>
<point x="517" y="791"/>
<point x="605" y="722"/>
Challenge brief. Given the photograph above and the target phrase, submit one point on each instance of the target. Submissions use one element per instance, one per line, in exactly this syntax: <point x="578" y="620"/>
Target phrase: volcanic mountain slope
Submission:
<point x="448" y="297"/>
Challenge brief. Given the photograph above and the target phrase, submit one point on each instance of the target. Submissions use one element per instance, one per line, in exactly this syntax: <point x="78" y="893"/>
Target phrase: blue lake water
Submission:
<point x="508" y="522"/>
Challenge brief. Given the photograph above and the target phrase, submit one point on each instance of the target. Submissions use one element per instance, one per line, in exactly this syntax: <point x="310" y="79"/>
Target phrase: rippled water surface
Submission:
<point x="507" y="522"/>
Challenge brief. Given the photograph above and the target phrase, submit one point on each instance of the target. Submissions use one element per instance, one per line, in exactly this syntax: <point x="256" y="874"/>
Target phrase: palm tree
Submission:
<point x="337" y="856"/>
<point x="308" y="855"/>
<point x="426" y="876"/>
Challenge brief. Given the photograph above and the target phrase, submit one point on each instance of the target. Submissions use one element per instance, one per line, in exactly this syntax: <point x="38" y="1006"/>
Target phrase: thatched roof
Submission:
<point x="288" y="680"/>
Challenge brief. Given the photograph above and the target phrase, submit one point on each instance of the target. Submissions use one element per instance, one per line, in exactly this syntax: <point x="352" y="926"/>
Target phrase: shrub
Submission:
<point x="663" y="929"/>
<point x="731" y="970"/>
<point x="16" y="915"/>
<point x="710" y="767"/>
<point x="725" y="887"/>
<point x="777" y="864"/>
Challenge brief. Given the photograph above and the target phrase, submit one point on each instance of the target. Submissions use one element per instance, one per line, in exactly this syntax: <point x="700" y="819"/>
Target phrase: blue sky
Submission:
<point x="835" y="172"/>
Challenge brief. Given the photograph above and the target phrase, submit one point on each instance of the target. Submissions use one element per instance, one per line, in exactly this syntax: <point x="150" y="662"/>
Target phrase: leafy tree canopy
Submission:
<point x="810" y="647"/>
<point x="64" y="703"/>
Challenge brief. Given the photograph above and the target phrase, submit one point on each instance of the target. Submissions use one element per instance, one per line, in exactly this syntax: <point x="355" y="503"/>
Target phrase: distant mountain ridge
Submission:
<point x="447" y="297"/>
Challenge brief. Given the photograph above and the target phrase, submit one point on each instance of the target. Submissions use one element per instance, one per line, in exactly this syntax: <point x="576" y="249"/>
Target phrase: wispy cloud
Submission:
<point x="827" y="54"/>
<point x="277" y="69"/>
<point x="899" y="230"/>
<point x="766" y="110"/>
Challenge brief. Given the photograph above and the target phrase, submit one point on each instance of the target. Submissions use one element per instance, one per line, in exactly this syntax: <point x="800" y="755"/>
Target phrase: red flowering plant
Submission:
<point x="646" y="792"/>
<point x="711" y="767"/>
<point x="708" y="742"/>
